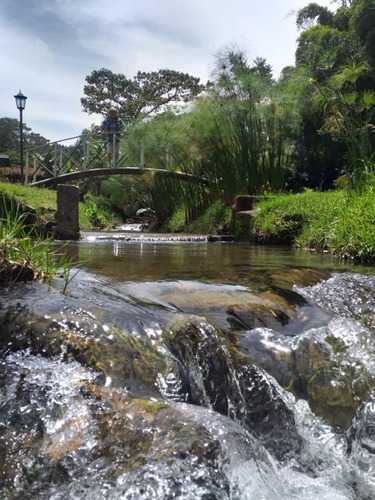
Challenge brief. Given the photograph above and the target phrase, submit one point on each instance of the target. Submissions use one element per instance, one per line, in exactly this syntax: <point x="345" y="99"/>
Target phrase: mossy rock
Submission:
<point x="124" y="359"/>
<point x="287" y="278"/>
<point x="333" y="385"/>
<point x="206" y="371"/>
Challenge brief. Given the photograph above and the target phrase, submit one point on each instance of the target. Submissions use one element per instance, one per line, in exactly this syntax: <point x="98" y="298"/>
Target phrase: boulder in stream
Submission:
<point x="66" y="436"/>
<point x="215" y="375"/>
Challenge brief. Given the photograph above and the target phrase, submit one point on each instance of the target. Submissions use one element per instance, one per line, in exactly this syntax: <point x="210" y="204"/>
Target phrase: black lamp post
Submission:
<point x="21" y="103"/>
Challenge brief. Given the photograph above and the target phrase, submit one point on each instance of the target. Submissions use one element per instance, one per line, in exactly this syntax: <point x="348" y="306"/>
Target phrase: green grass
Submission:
<point x="216" y="219"/>
<point x="38" y="198"/>
<point x="341" y="222"/>
<point x="24" y="256"/>
<point x="44" y="202"/>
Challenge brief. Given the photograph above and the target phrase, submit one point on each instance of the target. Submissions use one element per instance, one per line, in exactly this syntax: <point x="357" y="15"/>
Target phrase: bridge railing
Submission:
<point x="74" y="154"/>
<point x="89" y="151"/>
<point x="68" y="155"/>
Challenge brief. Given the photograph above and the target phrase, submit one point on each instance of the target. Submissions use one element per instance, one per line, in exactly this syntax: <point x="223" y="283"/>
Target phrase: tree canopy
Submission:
<point x="10" y="135"/>
<point x="146" y="94"/>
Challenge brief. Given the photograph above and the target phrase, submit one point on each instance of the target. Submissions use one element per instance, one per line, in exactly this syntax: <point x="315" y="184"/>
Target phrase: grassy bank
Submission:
<point x="26" y="252"/>
<point x="93" y="213"/>
<point x="341" y="222"/>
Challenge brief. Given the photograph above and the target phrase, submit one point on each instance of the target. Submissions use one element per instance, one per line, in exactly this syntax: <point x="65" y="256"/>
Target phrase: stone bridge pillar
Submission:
<point x="67" y="227"/>
<point x="242" y="217"/>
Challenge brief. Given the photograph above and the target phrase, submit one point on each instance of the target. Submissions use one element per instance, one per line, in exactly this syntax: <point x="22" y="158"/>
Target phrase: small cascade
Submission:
<point x="131" y="233"/>
<point x="183" y="388"/>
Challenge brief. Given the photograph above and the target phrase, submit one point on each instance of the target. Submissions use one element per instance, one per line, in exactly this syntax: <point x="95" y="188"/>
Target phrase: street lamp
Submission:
<point x="21" y="103"/>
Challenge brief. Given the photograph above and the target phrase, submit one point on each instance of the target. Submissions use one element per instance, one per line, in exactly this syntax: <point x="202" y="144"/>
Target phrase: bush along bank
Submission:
<point x="341" y="222"/>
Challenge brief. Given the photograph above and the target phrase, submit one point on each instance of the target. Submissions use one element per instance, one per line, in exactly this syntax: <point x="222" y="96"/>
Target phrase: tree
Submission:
<point x="336" y="50"/>
<point x="145" y="95"/>
<point x="10" y="135"/>
<point x="349" y="114"/>
<point x="312" y="14"/>
<point x="262" y="69"/>
<point x="363" y="24"/>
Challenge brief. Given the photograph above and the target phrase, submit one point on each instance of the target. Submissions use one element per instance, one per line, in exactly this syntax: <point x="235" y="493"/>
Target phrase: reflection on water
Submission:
<point x="231" y="263"/>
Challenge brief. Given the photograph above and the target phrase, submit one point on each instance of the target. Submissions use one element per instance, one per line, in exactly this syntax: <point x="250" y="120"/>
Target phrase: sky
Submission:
<point x="48" y="47"/>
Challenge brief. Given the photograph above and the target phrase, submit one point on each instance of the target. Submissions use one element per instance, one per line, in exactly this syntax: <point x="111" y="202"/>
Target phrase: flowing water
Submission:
<point x="181" y="368"/>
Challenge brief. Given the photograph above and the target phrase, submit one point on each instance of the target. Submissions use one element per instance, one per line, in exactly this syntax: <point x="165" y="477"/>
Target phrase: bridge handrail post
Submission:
<point x="113" y="151"/>
<point x="35" y="168"/>
<point x="55" y="160"/>
<point x="60" y="160"/>
<point x="142" y="157"/>
<point x="86" y="153"/>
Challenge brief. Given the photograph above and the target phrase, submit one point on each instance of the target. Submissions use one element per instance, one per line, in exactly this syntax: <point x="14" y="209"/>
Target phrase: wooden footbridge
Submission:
<point x="85" y="156"/>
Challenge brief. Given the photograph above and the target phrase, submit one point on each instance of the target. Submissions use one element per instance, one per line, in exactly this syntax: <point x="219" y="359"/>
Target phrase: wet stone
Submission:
<point x="204" y="363"/>
<point x="216" y="376"/>
<point x="268" y="412"/>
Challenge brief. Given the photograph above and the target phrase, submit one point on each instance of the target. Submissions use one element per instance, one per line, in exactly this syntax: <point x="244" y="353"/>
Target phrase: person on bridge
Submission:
<point x="112" y="125"/>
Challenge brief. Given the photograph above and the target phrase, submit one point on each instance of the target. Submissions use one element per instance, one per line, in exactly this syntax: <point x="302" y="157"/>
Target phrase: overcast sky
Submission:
<point x="47" y="47"/>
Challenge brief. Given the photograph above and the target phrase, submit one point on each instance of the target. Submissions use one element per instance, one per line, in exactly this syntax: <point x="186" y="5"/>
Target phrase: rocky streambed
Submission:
<point x="187" y="389"/>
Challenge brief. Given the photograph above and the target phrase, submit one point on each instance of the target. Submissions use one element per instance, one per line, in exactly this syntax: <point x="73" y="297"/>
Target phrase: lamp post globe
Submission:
<point x="21" y="103"/>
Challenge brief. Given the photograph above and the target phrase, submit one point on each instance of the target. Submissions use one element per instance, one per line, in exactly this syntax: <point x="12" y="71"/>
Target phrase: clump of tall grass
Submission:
<point x="216" y="219"/>
<point x="25" y="256"/>
<point x="99" y="211"/>
<point x="341" y="222"/>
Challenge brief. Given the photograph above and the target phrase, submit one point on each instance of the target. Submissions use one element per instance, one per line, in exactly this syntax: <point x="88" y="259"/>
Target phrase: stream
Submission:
<point x="175" y="367"/>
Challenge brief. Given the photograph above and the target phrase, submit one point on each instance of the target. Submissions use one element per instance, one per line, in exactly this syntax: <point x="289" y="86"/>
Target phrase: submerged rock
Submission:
<point x="228" y="305"/>
<point x="361" y="450"/>
<point x="216" y="376"/>
<point x="331" y="380"/>
<point x="65" y="436"/>
<point x="124" y="360"/>
<point x="361" y="435"/>
<point x="268" y="413"/>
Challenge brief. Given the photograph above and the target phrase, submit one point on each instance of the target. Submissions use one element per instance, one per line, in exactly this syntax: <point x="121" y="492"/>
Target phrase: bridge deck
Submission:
<point x="104" y="172"/>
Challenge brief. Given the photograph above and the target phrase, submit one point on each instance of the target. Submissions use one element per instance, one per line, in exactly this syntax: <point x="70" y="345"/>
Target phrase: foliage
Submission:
<point x="309" y="14"/>
<point x="216" y="219"/>
<point x="99" y="211"/>
<point x="10" y="137"/>
<point x="340" y="221"/>
<point x="362" y="21"/>
<point x="334" y="51"/>
<point x="178" y="221"/>
<point x="348" y="115"/>
<point x="146" y="94"/>
<point x="242" y="130"/>
<point x="125" y="193"/>
<point x="24" y="256"/>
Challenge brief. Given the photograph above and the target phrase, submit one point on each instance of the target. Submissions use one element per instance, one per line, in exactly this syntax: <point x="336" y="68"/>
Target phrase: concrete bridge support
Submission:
<point x="243" y="214"/>
<point x="67" y="227"/>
